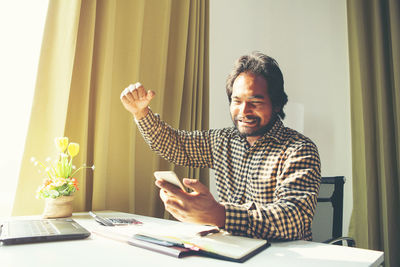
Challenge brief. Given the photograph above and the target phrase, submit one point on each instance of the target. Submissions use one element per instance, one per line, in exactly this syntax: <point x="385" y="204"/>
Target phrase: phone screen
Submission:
<point x="170" y="177"/>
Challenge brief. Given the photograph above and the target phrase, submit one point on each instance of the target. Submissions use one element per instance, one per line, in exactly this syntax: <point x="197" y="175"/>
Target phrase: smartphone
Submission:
<point x="170" y="177"/>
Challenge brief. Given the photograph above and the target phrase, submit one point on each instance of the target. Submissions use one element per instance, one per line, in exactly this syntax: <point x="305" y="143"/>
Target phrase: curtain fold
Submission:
<point x="374" y="47"/>
<point x="98" y="48"/>
<point x="50" y="101"/>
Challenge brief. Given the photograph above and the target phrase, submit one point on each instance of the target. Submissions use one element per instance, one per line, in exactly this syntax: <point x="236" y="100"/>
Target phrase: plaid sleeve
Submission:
<point x="180" y="147"/>
<point x="289" y="217"/>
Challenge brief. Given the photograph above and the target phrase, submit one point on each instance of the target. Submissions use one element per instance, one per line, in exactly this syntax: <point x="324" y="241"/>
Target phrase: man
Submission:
<point x="267" y="175"/>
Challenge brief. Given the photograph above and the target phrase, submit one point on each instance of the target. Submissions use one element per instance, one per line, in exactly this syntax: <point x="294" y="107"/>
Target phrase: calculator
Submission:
<point x="118" y="221"/>
<point x="114" y="221"/>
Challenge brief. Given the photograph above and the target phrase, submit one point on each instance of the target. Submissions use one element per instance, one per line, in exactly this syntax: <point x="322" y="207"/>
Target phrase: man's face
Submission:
<point x="251" y="107"/>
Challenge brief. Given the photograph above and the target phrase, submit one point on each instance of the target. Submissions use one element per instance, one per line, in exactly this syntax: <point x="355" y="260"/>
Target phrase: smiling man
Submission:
<point x="250" y="106"/>
<point x="267" y="175"/>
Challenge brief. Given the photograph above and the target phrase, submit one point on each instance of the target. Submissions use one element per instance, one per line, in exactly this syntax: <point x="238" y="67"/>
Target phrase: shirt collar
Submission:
<point x="276" y="132"/>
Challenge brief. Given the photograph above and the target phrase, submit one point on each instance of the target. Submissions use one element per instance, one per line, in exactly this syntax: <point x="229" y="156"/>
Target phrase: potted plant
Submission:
<point x="59" y="186"/>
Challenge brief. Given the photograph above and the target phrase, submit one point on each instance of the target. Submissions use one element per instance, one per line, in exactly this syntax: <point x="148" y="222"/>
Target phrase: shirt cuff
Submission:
<point x="147" y="122"/>
<point x="236" y="218"/>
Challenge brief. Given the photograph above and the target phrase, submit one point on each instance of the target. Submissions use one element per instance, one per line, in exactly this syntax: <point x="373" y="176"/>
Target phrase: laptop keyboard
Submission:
<point x="33" y="228"/>
<point x="42" y="228"/>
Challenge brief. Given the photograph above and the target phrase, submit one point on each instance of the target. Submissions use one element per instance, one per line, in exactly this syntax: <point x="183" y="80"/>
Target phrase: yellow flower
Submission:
<point x="61" y="143"/>
<point x="73" y="149"/>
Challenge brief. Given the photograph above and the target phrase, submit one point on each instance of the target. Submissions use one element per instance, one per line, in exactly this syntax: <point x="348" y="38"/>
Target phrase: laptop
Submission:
<point x="40" y="230"/>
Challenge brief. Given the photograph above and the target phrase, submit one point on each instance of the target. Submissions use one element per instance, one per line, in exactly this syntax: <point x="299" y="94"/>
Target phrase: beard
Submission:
<point x="257" y="130"/>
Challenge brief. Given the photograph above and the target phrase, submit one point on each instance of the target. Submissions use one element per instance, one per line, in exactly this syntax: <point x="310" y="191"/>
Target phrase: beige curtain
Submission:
<point x="374" y="46"/>
<point x="91" y="51"/>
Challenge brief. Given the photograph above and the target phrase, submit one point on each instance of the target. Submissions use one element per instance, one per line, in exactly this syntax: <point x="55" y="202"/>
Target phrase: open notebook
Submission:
<point x="182" y="239"/>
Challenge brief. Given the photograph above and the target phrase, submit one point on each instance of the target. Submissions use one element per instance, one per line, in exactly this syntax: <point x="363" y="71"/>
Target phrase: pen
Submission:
<point x="207" y="232"/>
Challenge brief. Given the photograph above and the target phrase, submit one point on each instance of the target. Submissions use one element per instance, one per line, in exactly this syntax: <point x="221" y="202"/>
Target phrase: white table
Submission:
<point x="99" y="251"/>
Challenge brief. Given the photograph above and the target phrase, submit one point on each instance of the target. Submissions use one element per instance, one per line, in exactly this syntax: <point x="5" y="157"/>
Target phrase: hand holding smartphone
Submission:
<point x="170" y="177"/>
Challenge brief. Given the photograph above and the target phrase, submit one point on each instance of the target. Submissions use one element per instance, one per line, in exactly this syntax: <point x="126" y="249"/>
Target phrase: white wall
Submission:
<point x="308" y="38"/>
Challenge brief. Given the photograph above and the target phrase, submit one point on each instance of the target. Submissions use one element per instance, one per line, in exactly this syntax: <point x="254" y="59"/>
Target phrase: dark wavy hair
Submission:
<point x="259" y="64"/>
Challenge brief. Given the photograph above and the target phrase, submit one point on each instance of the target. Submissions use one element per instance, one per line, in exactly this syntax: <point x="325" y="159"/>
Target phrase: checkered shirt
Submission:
<point x="269" y="190"/>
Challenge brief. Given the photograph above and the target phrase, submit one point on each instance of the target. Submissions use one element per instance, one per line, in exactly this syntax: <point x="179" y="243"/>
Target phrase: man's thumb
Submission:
<point x="195" y="185"/>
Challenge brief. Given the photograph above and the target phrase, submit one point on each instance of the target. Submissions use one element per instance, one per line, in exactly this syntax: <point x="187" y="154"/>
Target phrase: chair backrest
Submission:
<point x="328" y="218"/>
